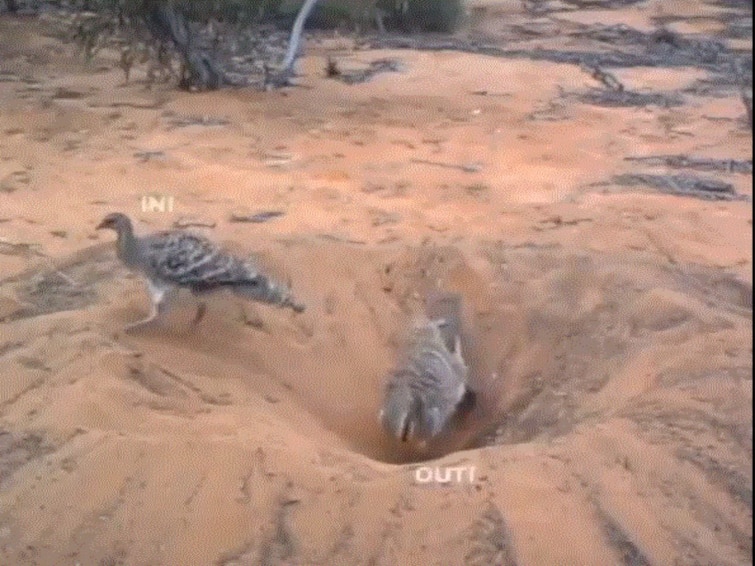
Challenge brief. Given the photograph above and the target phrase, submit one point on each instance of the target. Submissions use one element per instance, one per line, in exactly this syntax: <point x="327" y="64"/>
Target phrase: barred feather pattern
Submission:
<point x="424" y="391"/>
<point x="185" y="259"/>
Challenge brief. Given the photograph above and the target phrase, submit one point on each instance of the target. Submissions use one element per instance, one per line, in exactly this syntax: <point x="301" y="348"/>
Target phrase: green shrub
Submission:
<point x="432" y="15"/>
<point x="231" y="11"/>
<point x="419" y="15"/>
<point x="409" y="16"/>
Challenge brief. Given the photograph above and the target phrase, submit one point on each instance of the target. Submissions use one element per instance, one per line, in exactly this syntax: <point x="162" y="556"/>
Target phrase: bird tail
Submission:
<point x="264" y="289"/>
<point x="446" y="306"/>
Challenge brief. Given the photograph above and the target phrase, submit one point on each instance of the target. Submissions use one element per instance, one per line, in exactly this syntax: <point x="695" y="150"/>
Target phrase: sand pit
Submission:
<point x="562" y="346"/>
<point x="608" y="329"/>
<point x="547" y="335"/>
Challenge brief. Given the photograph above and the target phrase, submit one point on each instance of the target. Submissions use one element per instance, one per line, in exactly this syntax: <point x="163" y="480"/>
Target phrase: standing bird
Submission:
<point x="178" y="259"/>
<point x="427" y="387"/>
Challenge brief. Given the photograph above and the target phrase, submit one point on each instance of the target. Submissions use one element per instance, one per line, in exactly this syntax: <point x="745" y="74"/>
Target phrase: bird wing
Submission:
<point x="191" y="260"/>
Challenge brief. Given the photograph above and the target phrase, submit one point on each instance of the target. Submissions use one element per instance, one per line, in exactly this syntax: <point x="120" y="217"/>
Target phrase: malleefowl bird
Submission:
<point x="426" y="388"/>
<point x="176" y="259"/>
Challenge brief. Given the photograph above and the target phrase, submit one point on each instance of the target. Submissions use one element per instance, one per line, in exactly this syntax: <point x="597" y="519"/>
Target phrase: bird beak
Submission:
<point x="101" y="225"/>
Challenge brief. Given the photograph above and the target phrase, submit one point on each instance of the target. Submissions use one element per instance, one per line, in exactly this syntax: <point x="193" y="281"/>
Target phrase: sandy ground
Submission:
<point x="609" y="332"/>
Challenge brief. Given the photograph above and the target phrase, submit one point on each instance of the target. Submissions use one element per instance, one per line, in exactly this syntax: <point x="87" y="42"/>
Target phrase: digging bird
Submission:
<point x="427" y="387"/>
<point x="175" y="259"/>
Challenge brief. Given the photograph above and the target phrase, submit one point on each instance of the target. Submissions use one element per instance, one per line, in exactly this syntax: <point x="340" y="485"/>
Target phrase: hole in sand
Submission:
<point x="553" y="340"/>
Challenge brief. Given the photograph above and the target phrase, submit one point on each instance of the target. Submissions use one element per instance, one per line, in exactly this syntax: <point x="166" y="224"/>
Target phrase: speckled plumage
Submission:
<point x="424" y="391"/>
<point x="172" y="260"/>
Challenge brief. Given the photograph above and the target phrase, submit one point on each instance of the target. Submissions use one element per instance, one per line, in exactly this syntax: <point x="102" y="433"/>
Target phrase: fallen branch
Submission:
<point x="145" y="156"/>
<point x="683" y="185"/>
<point x="629" y="98"/>
<point x="355" y="77"/>
<point x="193" y="223"/>
<point x="342" y="240"/>
<point x="258" y="217"/>
<point x="208" y="121"/>
<point x="19" y="248"/>
<point x="488" y="93"/>
<point x="747" y="102"/>
<point x="744" y="95"/>
<point x="604" y="77"/>
<point x="696" y="163"/>
<point x="466" y="167"/>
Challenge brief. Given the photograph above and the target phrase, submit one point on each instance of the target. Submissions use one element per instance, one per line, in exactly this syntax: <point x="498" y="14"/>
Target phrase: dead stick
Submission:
<point x="467" y="168"/>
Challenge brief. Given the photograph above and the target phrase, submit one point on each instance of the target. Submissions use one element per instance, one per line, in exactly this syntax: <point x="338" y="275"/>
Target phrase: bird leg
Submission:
<point x="158" y="306"/>
<point x="201" y="305"/>
<point x="154" y="312"/>
<point x="201" y="310"/>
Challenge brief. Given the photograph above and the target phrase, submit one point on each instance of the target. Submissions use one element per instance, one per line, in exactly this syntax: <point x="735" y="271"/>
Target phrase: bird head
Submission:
<point x="399" y="414"/>
<point x="114" y="221"/>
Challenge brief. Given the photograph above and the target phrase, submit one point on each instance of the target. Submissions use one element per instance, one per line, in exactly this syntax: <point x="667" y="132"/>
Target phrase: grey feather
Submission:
<point x="424" y="391"/>
<point x="180" y="259"/>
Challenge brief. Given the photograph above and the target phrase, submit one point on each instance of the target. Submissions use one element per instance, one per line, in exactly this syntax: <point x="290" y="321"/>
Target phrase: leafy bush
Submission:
<point x="231" y="11"/>
<point x="408" y="16"/>
<point x="412" y="15"/>
<point x="161" y="31"/>
<point x="433" y="15"/>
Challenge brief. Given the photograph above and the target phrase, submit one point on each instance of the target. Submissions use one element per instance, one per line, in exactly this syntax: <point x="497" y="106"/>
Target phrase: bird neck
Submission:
<point x="126" y="244"/>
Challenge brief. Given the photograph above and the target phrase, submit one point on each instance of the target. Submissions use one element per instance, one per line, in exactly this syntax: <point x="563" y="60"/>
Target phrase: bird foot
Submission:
<point x="298" y="307"/>
<point x="294" y="305"/>
<point x="140" y="323"/>
<point x="136" y="325"/>
<point x="201" y="311"/>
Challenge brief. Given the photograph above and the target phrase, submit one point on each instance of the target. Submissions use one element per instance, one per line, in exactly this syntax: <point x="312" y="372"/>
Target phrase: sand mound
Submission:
<point x="608" y="326"/>
<point x="561" y="345"/>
